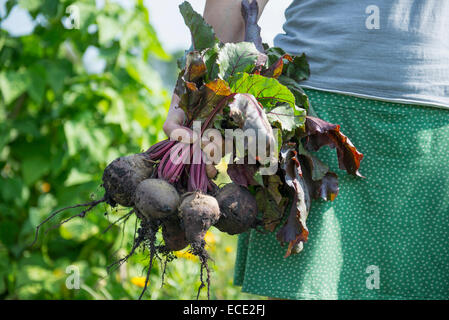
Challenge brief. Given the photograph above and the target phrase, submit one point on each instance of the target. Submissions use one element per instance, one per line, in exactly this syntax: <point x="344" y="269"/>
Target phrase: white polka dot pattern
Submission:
<point x="396" y="219"/>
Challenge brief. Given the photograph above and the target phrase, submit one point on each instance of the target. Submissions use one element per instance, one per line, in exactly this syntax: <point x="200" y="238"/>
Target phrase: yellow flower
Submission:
<point x="45" y="187"/>
<point x="58" y="273"/>
<point x="228" y="249"/>
<point x="209" y="238"/>
<point x="186" y="255"/>
<point x="138" y="281"/>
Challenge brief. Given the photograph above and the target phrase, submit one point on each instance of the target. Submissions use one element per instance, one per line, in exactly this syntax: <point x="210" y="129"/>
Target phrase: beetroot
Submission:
<point x="238" y="209"/>
<point x="173" y="235"/>
<point x="198" y="213"/>
<point x="156" y="198"/>
<point x="121" y="177"/>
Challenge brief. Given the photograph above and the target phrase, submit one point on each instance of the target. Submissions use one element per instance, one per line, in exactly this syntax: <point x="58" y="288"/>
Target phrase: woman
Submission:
<point x="381" y="72"/>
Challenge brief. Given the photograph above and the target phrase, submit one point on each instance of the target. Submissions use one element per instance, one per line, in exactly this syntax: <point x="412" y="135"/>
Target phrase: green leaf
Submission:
<point x="300" y="96"/>
<point x="9" y="231"/>
<point x="30" y="5"/>
<point x="285" y="119"/>
<point x="13" y="84"/>
<point x="274" y="54"/>
<point x="56" y="74"/>
<point x="34" y="167"/>
<point x="203" y="35"/>
<point x="210" y="57"/>
<point x="36" y="87"/>
<point x="236" y="57"/>
<point x="143" y="74"/>
<point x="10" y="188"/>
<point x="6" y="135"/>
<point x="78" y="230"/>
<point x="108" y="29"/>
<point x="77" y="177"/>
<point x="88" y="13"/>
<point x="271" y="211"/>
<point x="298" y="69"/>
<point x="267" y="91"/>
<point x="81" y="136"/>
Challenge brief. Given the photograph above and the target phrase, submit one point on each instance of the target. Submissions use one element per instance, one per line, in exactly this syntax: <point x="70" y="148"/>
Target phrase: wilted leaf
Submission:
<point x="189" y="96"/>
<point x="250" y="117"/>
<point x="320" y="133"/>
<point x="211" y="94"/>
<point x="274" y="181"/>
<point x="326" y="188"/>
<point x="295" y="229"/>
<point x="242" y="174"/>
<point x="317" y="168"/>
<point x="272" y="212"/>
<point x="195" y="66"/>
<point x="275" y="70"/>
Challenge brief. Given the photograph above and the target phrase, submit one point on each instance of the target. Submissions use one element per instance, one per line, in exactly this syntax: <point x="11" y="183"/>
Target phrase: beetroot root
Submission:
<point x="156" y="198"/>
<point x="121" y="177"/>
<point x="238" y="209"/>
<point x="198" y="213"/>
<point x="173" y="235"/>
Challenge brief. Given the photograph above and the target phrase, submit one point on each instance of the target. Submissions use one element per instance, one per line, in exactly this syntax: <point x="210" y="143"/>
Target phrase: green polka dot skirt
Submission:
<point x="383" y="237"/>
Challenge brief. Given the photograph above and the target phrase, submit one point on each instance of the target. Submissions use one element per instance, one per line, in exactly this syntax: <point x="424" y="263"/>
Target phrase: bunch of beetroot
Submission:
<point x="245" y="85"/>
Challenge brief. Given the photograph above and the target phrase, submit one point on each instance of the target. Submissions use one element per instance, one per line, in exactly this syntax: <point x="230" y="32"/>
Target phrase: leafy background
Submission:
<point x="60" y="125"/>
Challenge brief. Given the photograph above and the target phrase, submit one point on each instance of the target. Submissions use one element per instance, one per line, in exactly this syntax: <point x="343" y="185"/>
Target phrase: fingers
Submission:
<point x="181" y="133"/>
<point x="175" y="117"/>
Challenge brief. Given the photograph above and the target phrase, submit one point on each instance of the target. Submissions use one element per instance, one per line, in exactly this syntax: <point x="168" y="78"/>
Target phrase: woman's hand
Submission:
<point x="173" y="125"/>
<point x="175" y="130"/>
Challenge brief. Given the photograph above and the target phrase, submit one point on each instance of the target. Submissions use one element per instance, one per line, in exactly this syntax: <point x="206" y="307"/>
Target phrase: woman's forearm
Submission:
<point x="226" y="18"/>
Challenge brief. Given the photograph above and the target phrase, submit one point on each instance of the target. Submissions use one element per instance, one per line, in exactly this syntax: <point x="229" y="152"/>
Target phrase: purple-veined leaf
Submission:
<point x="320" y="133"/>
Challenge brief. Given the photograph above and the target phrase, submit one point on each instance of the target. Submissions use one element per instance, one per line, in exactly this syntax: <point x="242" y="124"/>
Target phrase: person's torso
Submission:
<point x="397" y="50"/>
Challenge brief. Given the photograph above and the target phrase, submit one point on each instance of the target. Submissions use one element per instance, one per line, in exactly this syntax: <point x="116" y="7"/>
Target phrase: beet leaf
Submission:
<point x="237" y="57"/>
<point x="268" y="91"/>
<point x="203" y="35"/>
<point x="320" y="133"/>
<point x="294" y="229"/>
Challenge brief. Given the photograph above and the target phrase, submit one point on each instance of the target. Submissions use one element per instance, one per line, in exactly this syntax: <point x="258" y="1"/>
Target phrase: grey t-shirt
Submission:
<point x="393" y="50"/>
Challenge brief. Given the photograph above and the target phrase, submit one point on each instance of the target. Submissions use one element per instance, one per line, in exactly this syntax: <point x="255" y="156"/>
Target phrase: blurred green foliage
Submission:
<point x="60" y="125"/>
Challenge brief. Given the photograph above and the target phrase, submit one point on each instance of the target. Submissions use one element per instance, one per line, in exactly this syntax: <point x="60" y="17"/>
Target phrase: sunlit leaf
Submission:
<point x="267" y="91"/>
<point x="285" y="118"/>
<point x="236" y="57"/>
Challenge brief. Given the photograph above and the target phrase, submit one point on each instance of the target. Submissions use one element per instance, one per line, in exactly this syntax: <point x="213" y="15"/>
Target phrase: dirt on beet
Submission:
<point x="122" y="176"/>
<point x="238" y="209"/>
